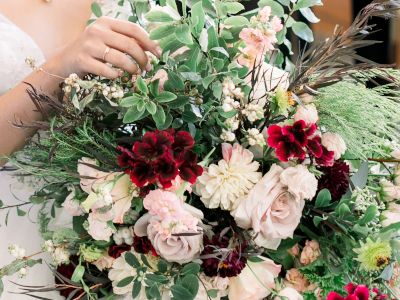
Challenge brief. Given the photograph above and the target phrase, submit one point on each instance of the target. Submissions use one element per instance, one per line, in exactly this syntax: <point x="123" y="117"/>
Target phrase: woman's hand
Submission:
<point x="120" y="43"/>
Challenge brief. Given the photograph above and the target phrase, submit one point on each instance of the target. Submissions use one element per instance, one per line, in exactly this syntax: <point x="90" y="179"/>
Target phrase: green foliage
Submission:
<point x="365" y="118"/>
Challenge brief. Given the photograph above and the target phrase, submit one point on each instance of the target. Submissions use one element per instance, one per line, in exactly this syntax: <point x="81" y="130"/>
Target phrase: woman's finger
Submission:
<point x="121" y="60"/>
<point x="134" y="31"/>
<point x="126" y="45"/>
<point x="101" y="69"/>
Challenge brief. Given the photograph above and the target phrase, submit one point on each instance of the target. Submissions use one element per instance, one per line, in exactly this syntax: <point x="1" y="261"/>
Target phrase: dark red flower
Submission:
<point x="291" y="141"/>
<point x="115" y="251"/>
<point x="227" y="263"/>
<point x="335" y="179"/>
<point x="315" y="147"/>
<point x="379" y="295"/>
<point x="183" y="142"/>
<point x="327" y="159"/>
<point x="354" y="292"/>
<point x="142" y="173"/>
<point x="143" y="245"/>
<point x="66" y="270"/>
<point x="153" y="145"/>
<point x="159" y="157"/>
<point x="189" y="170"/>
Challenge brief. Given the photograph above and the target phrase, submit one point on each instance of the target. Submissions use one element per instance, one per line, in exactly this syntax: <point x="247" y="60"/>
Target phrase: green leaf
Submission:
<point x="131" y="100"/>
<point x="78" y="273"/>
<point x="20" y="212"/>
<point x="131" y="259"/>
<point x="158" y="16"/>
<point x="233" y="7"/>
<point x="154" y="292"/>
<point x="141" y="105"/>
<point x="309" y="15"/>
<point x="189" y="116"/>
<point x="162" y="266"/>
<point x="157" y="278"/>
<point x="344" y="210"/>
<point x="141" y="85"/>
<point x="151" y="107"/>
<point x="180" y="102"/>
<point x="159" y="116"/>
<point x="191" y="283"/>
<point x="276" y="8"/>
<point x="317" y="220"/>
<point x="369" y="215"/>
<point x="1" y="287"/>
<point x="237" y="21"/>
<point x="284" y="2"/>
<point x="174" y="82"/>
<point x="303" y="31"/>
<point x="126" y="281"/>
<point x="181" y="293"/>
<point x="198" y="17"/>
<point x="1" y="203"/>
<point x="324" y="198"/>
<point x="191" y="268"/>
<point x="132" y="115"/>
<point x="220" y="50"/>
<point x="307" y="3"/>
<point x="153" y="87"/>
<point x="137" y="287"/>
<point x="183" y="34"/>
<point x="164" y="97"/>
<point x="162" y="31"/>
<point x="96" y="9"/>
<point x="227" y="114"/>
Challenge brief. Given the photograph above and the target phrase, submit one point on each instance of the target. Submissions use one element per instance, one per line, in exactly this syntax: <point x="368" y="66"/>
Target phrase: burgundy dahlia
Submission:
<point x="335" y="179"/>
<point x="115" y="251"/>
<point x="160" y="157"/>
<point x="221" y="261"/>
<point x="66" y="270"/>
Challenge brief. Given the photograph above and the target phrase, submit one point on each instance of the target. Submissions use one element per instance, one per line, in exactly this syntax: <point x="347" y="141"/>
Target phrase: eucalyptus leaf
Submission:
<point x="159" y="116"/>
<point x="126" y="281"/>
<point x="158" y="16"/>
<point x="309" y="15"/>
<point x="78" y="273"/>
<point x="162" y="31"/>
<point x="96" y="9"/>
<point x="137" y="287"/>
<point x="131" y="259"/>
<point x="304" y="32"/>
<point x="183" y="34"/>
<point x="191" y="268"/>
<point x="131" y="100"/>
<point x="181" y="293"/>
<point x="237" y="21"/>
<point x="132" y="115"/>
<point x="141" y="85"/>
<point x="306" y="3"/>
<point x="164" y="97"/>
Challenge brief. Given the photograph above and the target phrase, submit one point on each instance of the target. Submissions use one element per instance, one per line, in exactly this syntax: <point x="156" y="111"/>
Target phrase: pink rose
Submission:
<point x="270" y="210"/>
<point x="98" y="227"/>
<point x="310" y="252"/>
<point x="104" y="262"/>
<point x="162" y="76"/>
<point x="334" y="142"/>
<point x="255" y="282"/>
<point x="162" y="203"/>
<point x="219" y="284"/>
<point x="307" y="113"/>
<point x="301" y="183"/>
<point x="297" y="280"/>
<point x="289" y="293"/>
<point x="165" y="237"/>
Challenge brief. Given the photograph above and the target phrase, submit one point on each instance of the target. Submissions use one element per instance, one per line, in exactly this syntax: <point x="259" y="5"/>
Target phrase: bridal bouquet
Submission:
<point x="226" y="171"/>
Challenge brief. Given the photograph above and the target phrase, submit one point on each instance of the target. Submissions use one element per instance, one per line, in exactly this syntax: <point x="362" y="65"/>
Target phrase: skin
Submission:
<point x="69" y="47"/>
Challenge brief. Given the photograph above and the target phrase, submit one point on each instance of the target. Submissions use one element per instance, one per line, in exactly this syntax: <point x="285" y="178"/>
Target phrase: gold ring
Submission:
<point x="105" y="53"/>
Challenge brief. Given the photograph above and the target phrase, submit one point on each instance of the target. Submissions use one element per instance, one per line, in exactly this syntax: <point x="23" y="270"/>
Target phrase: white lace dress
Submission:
<point x="15" y="47"/>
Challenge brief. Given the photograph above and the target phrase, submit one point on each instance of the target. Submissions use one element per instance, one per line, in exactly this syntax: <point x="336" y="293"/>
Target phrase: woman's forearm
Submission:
<point x="17" y="107"/>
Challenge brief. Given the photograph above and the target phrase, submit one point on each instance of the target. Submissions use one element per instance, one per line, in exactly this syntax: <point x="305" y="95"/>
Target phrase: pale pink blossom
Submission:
<point x="255" y="282"/>
<point x="390" y="191"/>
<point x="307" y="113"/>
<point x="288" y="293"/>
<point x="98" y="227"/>
<point x="391" y="215"/>
<point x="294" y="251"/>
<point x="104" y="262"/>
<point x="72" y="206"/>
<point x="300" y="182"/>
<point x="216" y="283"/>
<point x="255" y="39"/>
<point x="162" y="203"/>
<point x="272" y="211"/>
<point x="276" y="24"/>
<point x="334" y="142"/>
<point x="264" y="14"/>
<point x="250" y="57"/>
<point x="310" y="253"/>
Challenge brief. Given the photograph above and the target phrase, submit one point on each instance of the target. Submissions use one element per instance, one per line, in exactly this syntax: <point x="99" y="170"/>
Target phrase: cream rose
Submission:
<point x="301" y="183"/>
<point x="307" y="113"/>
<point x="334" y="142"/>
<point x="98" y="227"/>
<point x="121" y="270"/>
<point x="272" y="211"/>
<point x="255" y="282"/>
<point x="289" y="293"/>
<point x="212" y="283"/>
<point x="390" y="191"/>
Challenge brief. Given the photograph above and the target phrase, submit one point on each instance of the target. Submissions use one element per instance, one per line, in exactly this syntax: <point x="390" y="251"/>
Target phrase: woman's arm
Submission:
<point x="85" y="55"/>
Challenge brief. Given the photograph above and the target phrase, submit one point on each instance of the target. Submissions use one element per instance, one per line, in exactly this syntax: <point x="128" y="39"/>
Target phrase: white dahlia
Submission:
<point x="224" y="184"/>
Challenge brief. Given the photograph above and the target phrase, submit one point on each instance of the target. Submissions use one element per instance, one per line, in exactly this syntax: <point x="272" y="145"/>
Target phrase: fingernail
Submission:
<point x="120" y="72"/>
<point x="148" y="67"/>
<point x="159" y="51"/>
